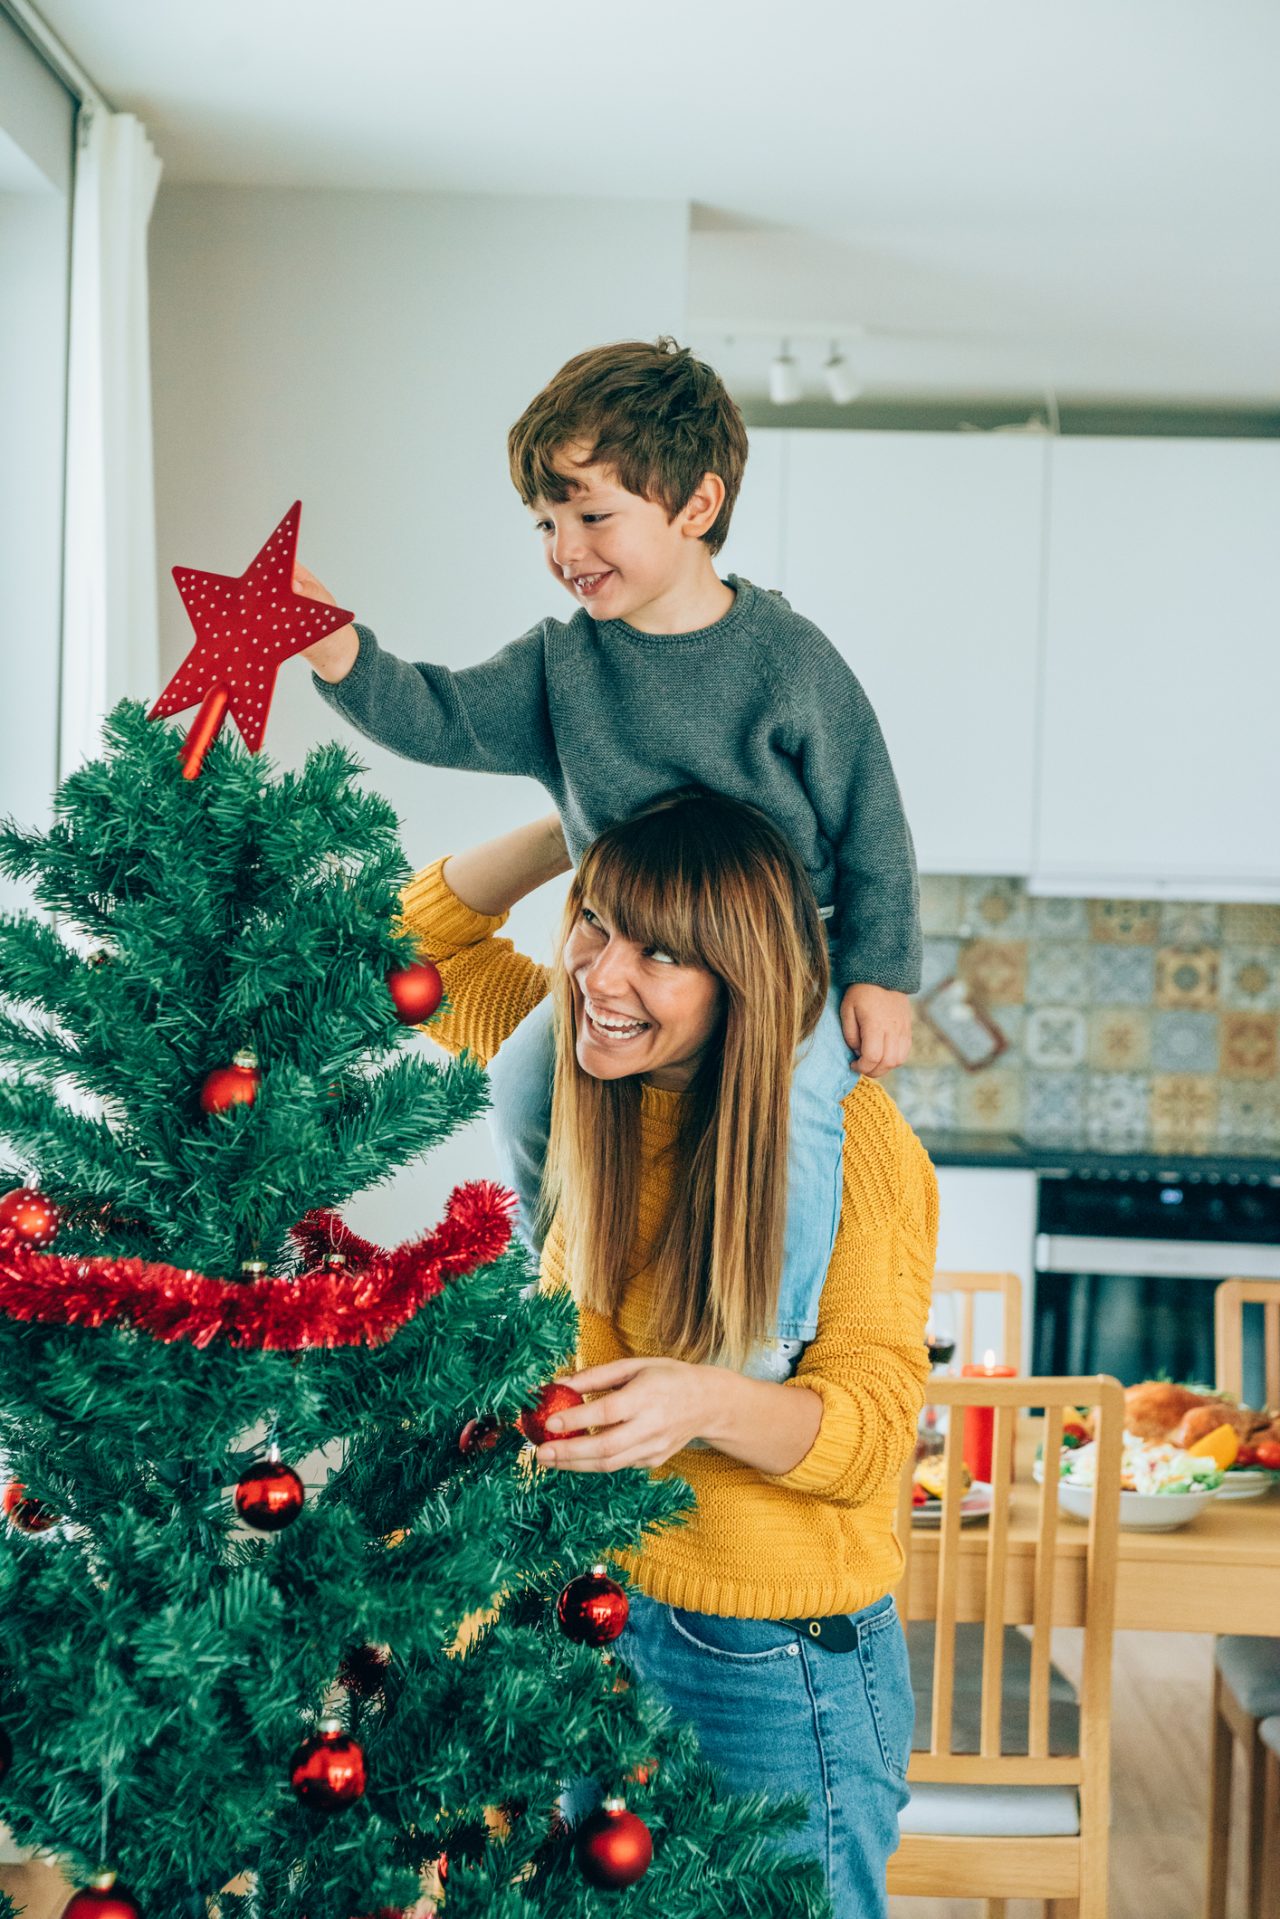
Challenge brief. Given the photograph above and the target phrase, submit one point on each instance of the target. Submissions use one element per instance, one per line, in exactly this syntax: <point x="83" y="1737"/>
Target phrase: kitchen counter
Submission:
<point x="1251" y="1162"/>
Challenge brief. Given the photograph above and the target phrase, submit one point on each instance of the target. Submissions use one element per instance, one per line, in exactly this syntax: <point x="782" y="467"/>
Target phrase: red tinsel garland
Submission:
<point x="363" y="1303"/>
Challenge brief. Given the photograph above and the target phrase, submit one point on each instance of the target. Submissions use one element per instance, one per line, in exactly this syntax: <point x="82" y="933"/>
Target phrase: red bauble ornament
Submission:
<point x="364" y="1670"/>
<point x="479" y="1435"/>
<point x="417" y="990"/>
<point x="269" y="1494"/>
<point x="592" y="1609"/>
<point x="553" y="1399"/>
<point x="103" y="1898"/>
<point x="234" y="1085"/>
<point x="30" y="1215"/>
<point x="328" y="1771"/>
<point x="614" y="1846"/>
<point x="25" y="1513"/>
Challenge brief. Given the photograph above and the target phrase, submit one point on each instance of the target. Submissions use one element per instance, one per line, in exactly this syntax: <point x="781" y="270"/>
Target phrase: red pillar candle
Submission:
<point x="979" y="1421"/>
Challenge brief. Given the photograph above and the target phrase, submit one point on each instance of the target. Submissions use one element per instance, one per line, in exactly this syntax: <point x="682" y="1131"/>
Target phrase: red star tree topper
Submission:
<point x="245" y="628"/>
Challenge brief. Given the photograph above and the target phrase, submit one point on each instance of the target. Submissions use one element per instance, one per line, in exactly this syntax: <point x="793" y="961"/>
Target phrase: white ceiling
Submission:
<point x="1005" y="194"/>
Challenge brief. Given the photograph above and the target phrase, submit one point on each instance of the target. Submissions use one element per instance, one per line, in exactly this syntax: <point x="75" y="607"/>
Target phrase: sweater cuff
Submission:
<point x="350" y="688"/>
<point x="442" y="923"/>
<point x="900" y="976"/>
<point x="827" y="1460"/>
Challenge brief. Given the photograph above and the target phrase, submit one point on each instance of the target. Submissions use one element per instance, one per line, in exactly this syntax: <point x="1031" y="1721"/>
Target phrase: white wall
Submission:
<point x="366" y="353"/>
<point x="33" y="345"/>
<point x="36" y="132"/>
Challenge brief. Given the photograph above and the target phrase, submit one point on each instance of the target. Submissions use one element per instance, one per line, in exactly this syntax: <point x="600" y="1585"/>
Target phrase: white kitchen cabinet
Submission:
<point x="987" y="1224"/>
<point x="754" y="546"/>
<point x="1159" y="772"/>
<point x="919" y="555"/>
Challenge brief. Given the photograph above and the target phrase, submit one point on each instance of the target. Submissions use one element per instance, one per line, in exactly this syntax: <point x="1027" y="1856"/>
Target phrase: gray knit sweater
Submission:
<point x="759" y="706"/>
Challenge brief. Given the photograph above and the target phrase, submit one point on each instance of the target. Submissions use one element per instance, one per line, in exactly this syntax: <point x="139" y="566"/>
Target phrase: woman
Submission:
<point x="693" y="963"/>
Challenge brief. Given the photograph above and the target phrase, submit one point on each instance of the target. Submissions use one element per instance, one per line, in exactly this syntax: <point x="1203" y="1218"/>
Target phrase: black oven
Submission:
<point x="1127" y="1262"/>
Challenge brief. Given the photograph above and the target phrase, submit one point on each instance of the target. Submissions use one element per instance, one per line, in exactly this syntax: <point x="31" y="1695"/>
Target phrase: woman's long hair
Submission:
<point x="713" y="883"/>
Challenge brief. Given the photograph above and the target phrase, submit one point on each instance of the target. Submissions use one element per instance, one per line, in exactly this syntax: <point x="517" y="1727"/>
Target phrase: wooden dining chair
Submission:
<point x="1011" y="1776"/>
<point x="1229" y="1302"/>
<point x="1270" y="1735"/>
<point x="1246" y="1670"/>
<point x="966" y="1289"/>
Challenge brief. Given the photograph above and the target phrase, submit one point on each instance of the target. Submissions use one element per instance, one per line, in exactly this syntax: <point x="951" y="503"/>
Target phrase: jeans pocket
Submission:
<point x="744" y="1642"/>
<point x="886" y="1674"/>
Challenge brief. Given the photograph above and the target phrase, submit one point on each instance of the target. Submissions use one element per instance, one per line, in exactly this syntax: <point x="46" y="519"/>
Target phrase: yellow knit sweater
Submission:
<point x="817" y="1539"/>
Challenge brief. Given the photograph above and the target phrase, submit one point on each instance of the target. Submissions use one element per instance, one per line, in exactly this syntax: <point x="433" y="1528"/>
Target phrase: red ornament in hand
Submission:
<point x="103" y="1898"/>
<point x="553" y="1399"/>
<point x="417" y="990"/>
<point x="614" y="1846"/>
<point x="30" y="1215"/>
<point x="479" y="1435"/>
<point x="245" y="628"/>
<point x="234" y="1085"/>
<point x="328" y="1771"/>
<point x="269" y="1494"/>
<point x="592" y="1609"/>
<point x="25" y="1513"/>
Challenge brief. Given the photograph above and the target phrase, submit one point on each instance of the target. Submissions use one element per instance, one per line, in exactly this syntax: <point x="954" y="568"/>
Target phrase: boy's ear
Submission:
<point x="702" y="508"/>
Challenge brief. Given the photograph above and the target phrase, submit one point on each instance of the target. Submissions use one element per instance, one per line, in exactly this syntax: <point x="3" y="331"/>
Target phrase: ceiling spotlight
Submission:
<point x="843" y="383"/>
<point x="784" y="379"/>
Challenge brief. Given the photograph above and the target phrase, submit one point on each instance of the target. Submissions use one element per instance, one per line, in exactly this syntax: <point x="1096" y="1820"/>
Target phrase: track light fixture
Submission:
<point x="784" y="378"/>
<point x="843" y="383"/>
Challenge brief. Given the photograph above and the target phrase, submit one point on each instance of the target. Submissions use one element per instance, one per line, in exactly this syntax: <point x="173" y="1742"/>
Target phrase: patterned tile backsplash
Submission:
<point x="1127" y="1022"/>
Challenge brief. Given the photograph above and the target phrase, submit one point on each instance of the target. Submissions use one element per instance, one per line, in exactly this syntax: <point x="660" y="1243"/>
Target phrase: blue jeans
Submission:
<point x="521" y="1078"/>
<point x="777" y="1714"/>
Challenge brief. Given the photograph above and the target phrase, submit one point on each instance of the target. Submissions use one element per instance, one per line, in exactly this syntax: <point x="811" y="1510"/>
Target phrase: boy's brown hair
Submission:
<point x="657" y="416"/>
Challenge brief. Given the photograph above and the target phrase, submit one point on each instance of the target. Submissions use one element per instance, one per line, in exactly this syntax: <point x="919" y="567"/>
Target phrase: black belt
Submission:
<point x="835" y="1633"/>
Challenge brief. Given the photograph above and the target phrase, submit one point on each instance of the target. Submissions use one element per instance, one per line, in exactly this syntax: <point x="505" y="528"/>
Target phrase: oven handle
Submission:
<point x="1156" y="1258"/>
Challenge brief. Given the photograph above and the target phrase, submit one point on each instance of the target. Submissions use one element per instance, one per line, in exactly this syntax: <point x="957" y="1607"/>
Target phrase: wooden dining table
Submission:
<point x="1219" y="1574"/>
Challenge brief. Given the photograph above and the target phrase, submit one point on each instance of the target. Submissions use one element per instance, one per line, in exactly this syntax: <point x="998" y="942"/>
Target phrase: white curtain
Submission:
<point x="110" y="642"/>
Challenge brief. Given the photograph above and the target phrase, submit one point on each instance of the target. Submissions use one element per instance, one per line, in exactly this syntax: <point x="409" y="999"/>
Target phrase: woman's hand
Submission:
<point x="650" y="1410"/>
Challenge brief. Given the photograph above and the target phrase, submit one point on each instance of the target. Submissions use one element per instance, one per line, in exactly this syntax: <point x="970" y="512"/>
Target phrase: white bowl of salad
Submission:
<point x="1161" y="1487"/>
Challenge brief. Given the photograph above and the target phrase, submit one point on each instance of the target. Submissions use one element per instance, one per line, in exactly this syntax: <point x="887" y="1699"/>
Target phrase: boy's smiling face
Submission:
<point x="620" y="556"/>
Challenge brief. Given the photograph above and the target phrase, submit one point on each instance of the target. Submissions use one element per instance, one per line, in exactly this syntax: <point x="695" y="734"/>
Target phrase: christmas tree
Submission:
<point x="288" y="1611"/>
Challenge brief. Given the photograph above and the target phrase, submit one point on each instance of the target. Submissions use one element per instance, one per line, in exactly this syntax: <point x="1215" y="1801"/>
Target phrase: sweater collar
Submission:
<point x="743" y="594"/>
<point x="660" y="1112"/>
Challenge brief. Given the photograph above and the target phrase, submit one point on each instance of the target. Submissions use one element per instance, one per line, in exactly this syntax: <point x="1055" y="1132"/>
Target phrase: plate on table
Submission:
<point x="1140" y="1512"/>
<point x="1247" y="1482"/>
<point x="976" y="1504"/>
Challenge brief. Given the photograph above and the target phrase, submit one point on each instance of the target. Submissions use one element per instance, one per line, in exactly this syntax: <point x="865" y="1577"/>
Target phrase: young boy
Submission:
<point x="630" y="461"/>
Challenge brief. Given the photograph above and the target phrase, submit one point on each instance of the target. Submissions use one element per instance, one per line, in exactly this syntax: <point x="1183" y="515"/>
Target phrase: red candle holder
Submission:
<point x="980" y="1421"/>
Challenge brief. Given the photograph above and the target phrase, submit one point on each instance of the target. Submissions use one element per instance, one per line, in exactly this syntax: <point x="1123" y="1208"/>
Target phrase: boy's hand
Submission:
<point x="877" y="1024"/>
<point x="334" y="656"/>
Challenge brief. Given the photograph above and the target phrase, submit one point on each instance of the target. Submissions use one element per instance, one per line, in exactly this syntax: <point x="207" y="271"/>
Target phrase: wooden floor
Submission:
<point x="1161" y="1743"/>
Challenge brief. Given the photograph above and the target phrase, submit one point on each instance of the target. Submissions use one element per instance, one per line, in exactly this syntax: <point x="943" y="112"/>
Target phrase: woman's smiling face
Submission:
<point x="636" y="1009"/>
